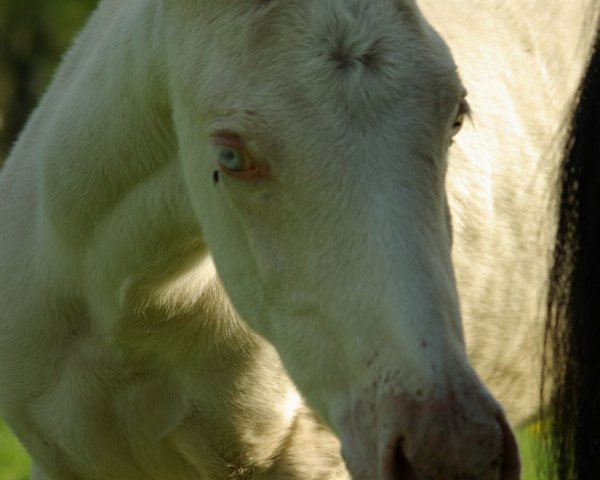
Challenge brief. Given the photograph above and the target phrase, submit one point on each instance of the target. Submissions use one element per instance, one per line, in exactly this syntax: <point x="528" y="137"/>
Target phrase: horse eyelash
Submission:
<point x="467" y="111"/>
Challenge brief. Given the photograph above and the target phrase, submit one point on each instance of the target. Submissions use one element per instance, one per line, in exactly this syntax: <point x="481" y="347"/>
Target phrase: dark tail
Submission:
<point x="572" y="346"/>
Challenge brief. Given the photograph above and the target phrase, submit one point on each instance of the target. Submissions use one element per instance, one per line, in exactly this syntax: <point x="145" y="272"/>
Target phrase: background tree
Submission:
<point x="33" y="36"/>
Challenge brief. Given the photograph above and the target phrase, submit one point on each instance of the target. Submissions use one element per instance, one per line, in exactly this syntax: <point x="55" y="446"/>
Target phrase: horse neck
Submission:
<point x="521" y="62"/>
<point x="114" y="224"/>
<point x="104" y="125"/>
<point x="550" y="35"/>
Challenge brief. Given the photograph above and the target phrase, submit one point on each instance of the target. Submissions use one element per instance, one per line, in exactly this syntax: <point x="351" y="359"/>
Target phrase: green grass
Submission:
<point x="529" y="445"/>
<point x="14" y="464"/>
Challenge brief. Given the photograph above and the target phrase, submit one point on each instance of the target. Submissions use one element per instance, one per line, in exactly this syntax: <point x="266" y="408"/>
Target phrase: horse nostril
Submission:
<point x="403" y="470"/>
<point x="511" y="466"/>
<point x="505" y="464"/>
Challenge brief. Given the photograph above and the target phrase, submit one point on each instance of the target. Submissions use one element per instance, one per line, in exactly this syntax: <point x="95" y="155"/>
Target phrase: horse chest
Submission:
<point x="99" y="416"/>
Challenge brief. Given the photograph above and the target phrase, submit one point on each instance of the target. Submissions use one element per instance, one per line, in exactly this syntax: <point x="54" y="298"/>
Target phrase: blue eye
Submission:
<point x="232" y="159"/>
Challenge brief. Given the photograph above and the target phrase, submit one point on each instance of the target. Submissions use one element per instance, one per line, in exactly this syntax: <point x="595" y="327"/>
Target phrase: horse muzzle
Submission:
<point x="460" y="435"/>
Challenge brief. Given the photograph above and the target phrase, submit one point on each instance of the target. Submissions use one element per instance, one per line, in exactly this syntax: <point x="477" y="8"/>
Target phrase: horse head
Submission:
<point x="313" y="138"/>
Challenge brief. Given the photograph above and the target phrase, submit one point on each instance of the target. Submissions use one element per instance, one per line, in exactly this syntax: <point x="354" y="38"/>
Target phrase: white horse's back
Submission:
<point x="521" y="63"/>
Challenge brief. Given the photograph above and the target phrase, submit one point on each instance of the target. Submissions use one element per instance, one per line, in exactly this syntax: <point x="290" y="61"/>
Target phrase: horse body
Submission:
<point x="123" y="354"/>
<point x="521" y="63"/>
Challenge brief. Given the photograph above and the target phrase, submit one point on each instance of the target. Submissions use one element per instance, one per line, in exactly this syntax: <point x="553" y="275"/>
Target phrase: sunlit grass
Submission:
<point x="14" y="464"/>
<point x="529" y="447"/>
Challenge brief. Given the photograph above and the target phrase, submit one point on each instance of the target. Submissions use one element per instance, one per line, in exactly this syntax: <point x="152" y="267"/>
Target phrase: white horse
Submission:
<point x="286" y="159"/>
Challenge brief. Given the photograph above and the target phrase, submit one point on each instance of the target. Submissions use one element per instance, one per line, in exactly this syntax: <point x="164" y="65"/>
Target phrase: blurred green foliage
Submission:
<point x="33" y="36"/>
<point x="14" y="462"/>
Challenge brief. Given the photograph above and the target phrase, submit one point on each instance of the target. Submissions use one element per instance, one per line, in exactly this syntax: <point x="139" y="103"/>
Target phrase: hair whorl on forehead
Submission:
<point x="347" y="32"/>
<point x="347" y="48"/>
